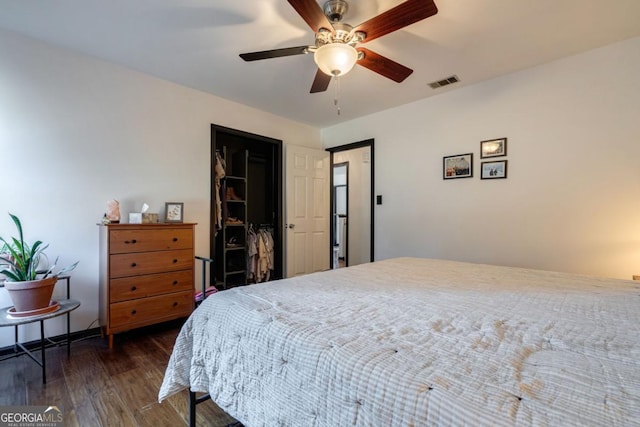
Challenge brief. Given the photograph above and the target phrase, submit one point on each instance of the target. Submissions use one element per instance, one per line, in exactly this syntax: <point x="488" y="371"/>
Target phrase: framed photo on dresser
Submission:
<point x="174" y="212"/>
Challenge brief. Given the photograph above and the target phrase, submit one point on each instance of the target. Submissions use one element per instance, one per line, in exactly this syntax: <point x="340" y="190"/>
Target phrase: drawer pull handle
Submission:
<point x="175" y="260"/>
<point x="133" y="288"/>
<point x="133" y="312"/>
<point x="175" y="282"/>
<point x="175" y="239"/>
<point x="133" y="264"/>
<point x="175" y="304"/>
<point x="130" y="241"/>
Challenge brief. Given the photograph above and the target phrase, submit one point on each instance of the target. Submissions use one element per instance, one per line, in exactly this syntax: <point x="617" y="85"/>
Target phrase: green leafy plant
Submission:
<point x="19" y="260"/>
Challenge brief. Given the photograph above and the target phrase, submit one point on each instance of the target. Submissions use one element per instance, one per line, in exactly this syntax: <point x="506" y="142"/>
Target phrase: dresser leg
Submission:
<point x="110" y="341"/>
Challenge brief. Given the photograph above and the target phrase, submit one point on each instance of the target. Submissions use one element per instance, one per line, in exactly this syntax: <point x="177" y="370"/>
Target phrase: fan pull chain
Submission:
<point x="337" y="93"/>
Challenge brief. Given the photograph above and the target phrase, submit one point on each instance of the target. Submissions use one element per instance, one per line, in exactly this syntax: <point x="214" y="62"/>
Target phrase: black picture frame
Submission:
<point x="458" y="166"/>
<point x="493" y="148"/>
<point x="493" y="170"/>
<point x="174" y="212"/>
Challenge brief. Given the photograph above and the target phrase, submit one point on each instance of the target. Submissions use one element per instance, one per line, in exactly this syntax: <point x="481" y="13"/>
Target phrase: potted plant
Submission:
<point x="30" y="289"/>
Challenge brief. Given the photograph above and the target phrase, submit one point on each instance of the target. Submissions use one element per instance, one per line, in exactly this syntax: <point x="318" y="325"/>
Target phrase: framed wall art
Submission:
<point x="493" y="148"/>
<point x="173" y="212"/>
<point x="458" y="166"/>
<point x="493" y="170"/>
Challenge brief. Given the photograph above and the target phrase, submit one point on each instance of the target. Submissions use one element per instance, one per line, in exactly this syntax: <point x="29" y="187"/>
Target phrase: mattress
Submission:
<point x="417" y="342"/>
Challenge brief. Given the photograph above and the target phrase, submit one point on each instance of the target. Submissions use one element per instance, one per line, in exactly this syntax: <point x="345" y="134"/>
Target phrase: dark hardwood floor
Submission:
<point x="102" y="387"/>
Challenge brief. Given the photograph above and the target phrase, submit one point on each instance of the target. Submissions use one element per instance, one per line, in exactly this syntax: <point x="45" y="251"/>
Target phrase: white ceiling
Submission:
<point x="196" y="43"/>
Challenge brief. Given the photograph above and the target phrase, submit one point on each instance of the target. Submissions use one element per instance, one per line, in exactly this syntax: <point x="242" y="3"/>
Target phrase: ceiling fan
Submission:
<point x="336" y="49"/>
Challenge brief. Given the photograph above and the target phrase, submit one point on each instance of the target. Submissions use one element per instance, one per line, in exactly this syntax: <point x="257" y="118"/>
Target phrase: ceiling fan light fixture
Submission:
<point x="336" y="59"/>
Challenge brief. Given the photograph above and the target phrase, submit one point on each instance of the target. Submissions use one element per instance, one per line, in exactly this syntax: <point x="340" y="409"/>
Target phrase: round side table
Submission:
<point x="6" y="319"/>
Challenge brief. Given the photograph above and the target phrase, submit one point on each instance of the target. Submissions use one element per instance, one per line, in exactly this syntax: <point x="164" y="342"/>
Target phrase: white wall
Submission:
<point x="571" y="201"/>
<point x="76" y="132"/>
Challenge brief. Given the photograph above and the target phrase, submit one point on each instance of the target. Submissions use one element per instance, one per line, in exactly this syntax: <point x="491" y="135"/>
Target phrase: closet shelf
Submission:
<point x="229" y="273"/>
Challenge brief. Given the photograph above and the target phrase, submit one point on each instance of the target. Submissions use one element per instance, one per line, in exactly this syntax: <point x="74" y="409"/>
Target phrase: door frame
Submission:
<point x="360" y="144"/>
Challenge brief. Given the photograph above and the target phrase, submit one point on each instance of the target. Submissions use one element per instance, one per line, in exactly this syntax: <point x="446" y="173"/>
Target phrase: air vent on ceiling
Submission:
<point x="444" y="82"/>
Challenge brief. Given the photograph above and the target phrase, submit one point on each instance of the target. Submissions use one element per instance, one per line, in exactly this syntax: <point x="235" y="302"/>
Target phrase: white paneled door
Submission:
<point x="307" y="224"/>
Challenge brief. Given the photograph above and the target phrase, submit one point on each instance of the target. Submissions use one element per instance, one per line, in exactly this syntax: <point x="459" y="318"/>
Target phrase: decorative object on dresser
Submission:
<point x="173" y="212"/>
<point x="145" y="217"/>
<point x="113" y="211"/>
<point x="146" y="275"/>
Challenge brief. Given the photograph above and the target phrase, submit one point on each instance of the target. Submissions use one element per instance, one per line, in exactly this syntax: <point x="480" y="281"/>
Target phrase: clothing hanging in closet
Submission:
<point x="219" y="174"/>
<point x="261" y="248"/>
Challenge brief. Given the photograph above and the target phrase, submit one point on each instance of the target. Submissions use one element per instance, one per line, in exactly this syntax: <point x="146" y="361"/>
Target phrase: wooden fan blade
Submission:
<point x="312" y="14"/>
<point x="383" y="66"/>
<point x="274" y="53"/>
<point x="398" y="17"/>
<point x="320" y="83"/>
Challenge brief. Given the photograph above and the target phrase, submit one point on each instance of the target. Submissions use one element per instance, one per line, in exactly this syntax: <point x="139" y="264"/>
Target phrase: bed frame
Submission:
<point x="194" y="400"/>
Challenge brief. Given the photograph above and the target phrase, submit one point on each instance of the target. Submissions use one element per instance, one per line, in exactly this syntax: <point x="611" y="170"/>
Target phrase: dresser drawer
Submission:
<point x="134" y="264"/>
<point x="150" y="239"/>
<point x="128" y="288"/>
<point x="151" y="310"/>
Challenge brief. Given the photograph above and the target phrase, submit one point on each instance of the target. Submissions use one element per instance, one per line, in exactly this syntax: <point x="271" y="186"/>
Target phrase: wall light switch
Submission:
<point x="379" y="199"/>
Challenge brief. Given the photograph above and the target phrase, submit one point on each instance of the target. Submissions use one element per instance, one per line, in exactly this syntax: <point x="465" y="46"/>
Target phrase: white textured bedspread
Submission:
<point x="418" y="342"/>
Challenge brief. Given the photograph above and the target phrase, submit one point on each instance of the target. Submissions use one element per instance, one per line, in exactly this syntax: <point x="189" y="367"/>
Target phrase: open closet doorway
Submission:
<point x="352" y="204"/>
<point x="246" y="239"/>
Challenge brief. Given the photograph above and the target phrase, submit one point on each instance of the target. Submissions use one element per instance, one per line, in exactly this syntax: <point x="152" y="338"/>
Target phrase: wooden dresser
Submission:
<point x="146" y="275"/>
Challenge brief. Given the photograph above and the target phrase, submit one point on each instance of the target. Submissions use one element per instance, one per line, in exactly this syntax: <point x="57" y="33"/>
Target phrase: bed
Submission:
<point x="417" y="342"/>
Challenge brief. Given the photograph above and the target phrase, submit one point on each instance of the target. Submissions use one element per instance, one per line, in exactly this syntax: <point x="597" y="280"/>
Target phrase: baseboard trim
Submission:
<point x="52" y="341"/>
